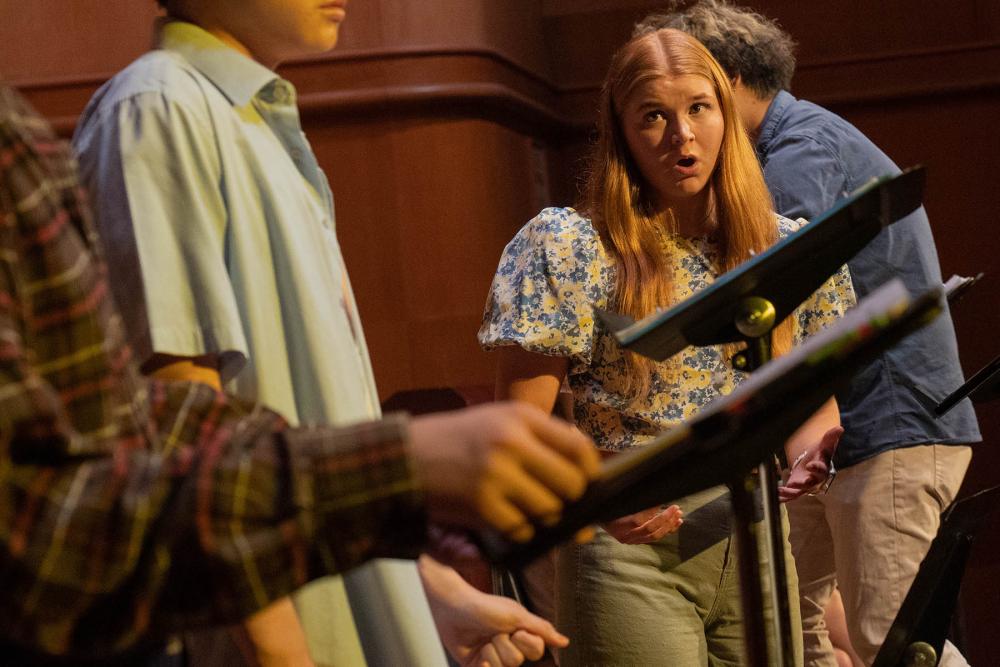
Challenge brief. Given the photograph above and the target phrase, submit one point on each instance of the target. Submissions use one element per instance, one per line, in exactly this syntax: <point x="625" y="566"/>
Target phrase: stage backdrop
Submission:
<point x="444" y="125"/>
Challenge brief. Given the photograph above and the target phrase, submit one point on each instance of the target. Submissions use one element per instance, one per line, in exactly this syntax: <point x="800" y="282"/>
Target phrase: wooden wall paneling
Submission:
<point x="470" y="189"/>
<point x="966" y="68"/>
<point x="459" y="84"/>
<point x="445" y="99"/>
<point x="580" y="44"/>
<point x="66" y="39"/>
<point x="826" y="30"/>
<point x="357" y="158"/>
<point x="422" y="225"/>
<point x="510" y="29"/>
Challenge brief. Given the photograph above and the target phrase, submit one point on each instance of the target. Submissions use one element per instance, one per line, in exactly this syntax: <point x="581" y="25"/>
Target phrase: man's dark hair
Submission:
<point x="745" y="43"/>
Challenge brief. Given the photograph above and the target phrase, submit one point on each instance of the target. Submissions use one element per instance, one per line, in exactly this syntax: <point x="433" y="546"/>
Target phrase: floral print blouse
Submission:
<point x="552" y="274"/>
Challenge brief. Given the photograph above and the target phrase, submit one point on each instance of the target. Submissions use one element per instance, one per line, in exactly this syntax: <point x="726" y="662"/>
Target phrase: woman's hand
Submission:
<point x="812" y="469"/>
<point x="646" y="526"/>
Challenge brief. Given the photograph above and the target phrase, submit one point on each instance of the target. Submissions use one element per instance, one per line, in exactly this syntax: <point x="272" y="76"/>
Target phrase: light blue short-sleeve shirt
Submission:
<point x="219" y="230"/>
<point x="206" y="187"/>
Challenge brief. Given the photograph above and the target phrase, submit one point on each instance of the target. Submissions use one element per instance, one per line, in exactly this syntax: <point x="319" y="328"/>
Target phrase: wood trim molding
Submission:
<point x="474" y="81"/>
<point x="967" y="69"/>
<point x="888" y="77"/>
<point x="409" y="52"/>
<point x="446" y="98"/>
<point x="985" y="48"/>
<point x="443" y="80"/>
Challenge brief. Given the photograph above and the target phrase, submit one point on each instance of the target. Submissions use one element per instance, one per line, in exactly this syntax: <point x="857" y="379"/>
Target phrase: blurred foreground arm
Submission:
<point x="275" y="631"/>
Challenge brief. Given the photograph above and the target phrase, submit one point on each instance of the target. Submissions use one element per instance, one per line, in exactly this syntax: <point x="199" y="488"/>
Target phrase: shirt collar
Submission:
<point x="775" y="112"/>
<point x="239" y="77"/>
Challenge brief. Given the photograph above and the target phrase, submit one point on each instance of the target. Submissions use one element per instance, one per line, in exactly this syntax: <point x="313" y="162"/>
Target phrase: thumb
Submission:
<point x="525" y="620"/>
<point x="530" y="644"/>
<point x="828" y="443"/>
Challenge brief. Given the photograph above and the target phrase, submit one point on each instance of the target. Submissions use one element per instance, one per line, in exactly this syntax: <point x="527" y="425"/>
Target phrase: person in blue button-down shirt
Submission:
<point x="900" y="465"/>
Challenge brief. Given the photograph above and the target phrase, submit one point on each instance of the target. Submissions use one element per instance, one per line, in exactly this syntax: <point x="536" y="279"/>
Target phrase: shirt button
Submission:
<point x="281" y="94"/>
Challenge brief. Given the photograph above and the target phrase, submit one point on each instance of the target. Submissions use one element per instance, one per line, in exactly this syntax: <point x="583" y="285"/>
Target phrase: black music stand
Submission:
<point x="956" y="287"/>
<point x="785" y="275"/>
<point x="917" y="636"/>
<point x="733" y="433"/>
<point x="982" y="387"/>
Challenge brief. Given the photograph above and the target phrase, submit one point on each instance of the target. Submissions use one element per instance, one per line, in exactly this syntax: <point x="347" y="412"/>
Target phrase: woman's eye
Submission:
<point x="698" y="107"/>
<point x="653" y="116"/>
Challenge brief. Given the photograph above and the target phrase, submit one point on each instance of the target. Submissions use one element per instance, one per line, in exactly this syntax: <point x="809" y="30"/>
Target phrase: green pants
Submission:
<point x="674" y="602"/>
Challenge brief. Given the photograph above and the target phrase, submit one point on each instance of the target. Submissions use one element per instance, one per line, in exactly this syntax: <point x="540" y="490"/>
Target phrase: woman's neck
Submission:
<point x="694" y="217"/>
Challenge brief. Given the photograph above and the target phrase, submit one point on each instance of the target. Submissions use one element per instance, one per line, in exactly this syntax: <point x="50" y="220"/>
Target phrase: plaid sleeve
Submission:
<point x="355" y="494"/>
<point x="132" y="508"/>
<point x="270" y="509"/>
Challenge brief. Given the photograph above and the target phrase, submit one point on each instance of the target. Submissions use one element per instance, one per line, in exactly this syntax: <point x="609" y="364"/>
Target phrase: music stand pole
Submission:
<point x="755" y="320"/>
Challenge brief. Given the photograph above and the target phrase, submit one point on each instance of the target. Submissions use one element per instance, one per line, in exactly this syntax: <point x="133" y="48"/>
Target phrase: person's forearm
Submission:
<point x="440" y="581"/>
<point x="812" y="430"/>
<point x="278" y="637"/>
<point x="529" y="377"/>
<point x="203" y="369"/>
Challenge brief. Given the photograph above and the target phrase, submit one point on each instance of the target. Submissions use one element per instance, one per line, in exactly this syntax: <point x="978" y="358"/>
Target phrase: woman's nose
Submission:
<point x="682" y="134"/>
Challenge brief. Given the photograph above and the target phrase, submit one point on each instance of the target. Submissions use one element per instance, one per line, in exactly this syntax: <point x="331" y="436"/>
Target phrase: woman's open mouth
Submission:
<point x="686" y="166"/>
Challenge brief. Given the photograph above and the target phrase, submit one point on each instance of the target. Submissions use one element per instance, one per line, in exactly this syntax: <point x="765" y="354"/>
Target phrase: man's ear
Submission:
<point x="736" y="81"/>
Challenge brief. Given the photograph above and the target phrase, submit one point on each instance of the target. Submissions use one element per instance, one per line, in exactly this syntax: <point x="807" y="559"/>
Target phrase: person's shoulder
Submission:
<point x="560" y="225"/>
<point x="807" y="117"/>
<point x="159" y="74"/>
<point x="807" y="120"/>
<point x="807" y="131"/>
<point x="558" y="236"/>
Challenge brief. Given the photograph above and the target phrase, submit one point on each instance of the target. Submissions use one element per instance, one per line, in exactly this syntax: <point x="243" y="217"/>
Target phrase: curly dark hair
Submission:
<point x="745" y="43"/>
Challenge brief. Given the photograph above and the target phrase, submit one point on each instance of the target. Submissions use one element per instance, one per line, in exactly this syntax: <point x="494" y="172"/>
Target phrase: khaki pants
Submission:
<point x="674" y="602"/>
<point x="867" y="536"/>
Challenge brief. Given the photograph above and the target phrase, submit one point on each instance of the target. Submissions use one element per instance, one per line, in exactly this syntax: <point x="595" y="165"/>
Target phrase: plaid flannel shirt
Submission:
<point x="132" y="508"/>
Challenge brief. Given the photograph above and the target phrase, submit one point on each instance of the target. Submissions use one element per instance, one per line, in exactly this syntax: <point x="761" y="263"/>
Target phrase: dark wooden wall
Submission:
<point x="445" y="124"/>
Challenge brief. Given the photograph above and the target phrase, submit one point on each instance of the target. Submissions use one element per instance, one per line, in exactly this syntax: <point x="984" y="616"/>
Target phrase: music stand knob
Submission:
<point x="920" y="654"/>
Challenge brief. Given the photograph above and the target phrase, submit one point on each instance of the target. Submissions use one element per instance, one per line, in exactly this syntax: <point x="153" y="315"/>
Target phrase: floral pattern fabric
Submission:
<point x="556" y="270"/>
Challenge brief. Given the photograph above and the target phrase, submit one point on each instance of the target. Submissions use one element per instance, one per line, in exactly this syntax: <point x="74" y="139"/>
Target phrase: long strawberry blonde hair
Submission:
<point x="623" y="206"/>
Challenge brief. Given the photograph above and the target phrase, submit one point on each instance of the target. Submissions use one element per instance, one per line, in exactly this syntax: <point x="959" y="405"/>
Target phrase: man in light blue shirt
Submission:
<point x="219" y="228"/>
<point x="900" y="465"/>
